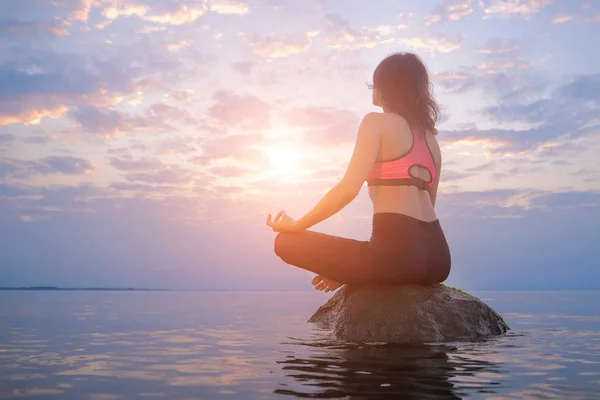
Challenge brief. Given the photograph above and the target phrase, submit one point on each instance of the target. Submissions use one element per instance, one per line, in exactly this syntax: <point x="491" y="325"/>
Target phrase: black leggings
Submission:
<point x="402" y="249"/>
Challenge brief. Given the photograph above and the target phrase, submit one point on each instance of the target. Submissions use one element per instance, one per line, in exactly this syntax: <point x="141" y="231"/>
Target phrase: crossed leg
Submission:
<point x="336" y="260"/>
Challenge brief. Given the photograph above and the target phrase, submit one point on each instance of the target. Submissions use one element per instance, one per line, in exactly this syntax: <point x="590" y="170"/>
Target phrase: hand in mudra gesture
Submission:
<point x="282" y="223"/>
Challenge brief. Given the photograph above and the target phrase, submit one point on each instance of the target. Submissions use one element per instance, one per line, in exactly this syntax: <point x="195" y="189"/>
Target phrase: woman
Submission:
<point x="397" y="153"/>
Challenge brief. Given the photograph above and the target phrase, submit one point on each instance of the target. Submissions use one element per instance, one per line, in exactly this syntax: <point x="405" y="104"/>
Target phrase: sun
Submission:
<point x="284" y="159"/>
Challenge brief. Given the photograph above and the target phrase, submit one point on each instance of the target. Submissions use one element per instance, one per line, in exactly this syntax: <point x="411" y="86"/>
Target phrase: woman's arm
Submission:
<point x="363" y="158"/>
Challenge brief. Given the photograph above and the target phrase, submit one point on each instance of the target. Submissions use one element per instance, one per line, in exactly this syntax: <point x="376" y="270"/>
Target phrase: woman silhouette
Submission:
<point x="397" y="154"/>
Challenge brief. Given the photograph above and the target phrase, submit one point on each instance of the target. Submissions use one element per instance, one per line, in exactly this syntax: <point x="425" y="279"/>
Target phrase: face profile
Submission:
<point x="377" y="98"/>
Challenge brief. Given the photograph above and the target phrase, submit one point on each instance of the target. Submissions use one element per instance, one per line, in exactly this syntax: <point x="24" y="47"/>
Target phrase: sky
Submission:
<point x="143" y="142"/>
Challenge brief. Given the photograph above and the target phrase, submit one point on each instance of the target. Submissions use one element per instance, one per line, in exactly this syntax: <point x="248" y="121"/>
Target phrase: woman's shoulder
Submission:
<point x="384" y="117"/>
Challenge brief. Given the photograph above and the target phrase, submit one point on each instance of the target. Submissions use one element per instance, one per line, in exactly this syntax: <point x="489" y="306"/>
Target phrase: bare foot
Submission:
<point x="326" y="284"/>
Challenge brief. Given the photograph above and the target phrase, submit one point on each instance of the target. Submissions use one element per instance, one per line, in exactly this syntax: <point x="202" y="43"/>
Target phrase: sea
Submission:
<point x="258" y="345"/>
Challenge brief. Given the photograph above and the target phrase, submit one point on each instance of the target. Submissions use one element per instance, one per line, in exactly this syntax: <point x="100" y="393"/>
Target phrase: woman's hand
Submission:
<point x="283" y="223"/>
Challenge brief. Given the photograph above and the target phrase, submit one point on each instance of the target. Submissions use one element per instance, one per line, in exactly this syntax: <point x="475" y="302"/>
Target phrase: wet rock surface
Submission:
<point x="407" y="314"/>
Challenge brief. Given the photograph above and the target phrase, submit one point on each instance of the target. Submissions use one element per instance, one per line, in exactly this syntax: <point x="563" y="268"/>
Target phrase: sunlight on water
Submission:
<point x="257" y="345"/>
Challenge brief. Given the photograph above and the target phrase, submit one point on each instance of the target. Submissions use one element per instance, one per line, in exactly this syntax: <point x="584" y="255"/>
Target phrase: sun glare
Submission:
<point x="284" y="160"/>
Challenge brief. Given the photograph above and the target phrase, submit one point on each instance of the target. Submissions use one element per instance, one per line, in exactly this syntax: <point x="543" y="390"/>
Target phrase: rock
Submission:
<point x="407" y="314"/>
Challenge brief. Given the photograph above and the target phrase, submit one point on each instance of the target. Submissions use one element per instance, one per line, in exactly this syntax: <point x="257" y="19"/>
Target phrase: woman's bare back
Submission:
<point x="409" y="200"/>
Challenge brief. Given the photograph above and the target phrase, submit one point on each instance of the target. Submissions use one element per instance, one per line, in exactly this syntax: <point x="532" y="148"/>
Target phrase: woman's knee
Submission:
<point x="282" y="244"/>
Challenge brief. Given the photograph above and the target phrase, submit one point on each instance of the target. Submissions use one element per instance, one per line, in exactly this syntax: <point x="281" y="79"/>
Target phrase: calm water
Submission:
<point x="257" y="345"/>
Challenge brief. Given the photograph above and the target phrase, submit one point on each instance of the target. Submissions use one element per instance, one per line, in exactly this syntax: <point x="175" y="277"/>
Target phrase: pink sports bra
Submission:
<point x="397" y="172"/>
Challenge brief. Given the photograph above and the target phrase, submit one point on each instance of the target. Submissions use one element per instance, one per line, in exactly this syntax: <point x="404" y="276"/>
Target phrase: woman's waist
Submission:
<point x="399" y="226"/>
<point x="414" y="203"/>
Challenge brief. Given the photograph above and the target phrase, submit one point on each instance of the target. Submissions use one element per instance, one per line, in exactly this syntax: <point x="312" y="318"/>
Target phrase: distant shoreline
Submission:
<point x="52" y="288"/>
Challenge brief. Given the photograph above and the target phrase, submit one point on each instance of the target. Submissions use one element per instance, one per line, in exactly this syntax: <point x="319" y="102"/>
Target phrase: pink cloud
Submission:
<point x="169" y="174"/>
<point x="82" y="11"/>
<point x="141" y="164"/>
<point x="183" y="14"/>
<point x="243" y="67"/>
<point x="229" y="171"/>
<point x="278" y="45"/>
<point x="171" y="113"/>
<point x="176" y="146"/>
<point x="244" y="111"/>
<point x="311" y="117"/>
<point x="33" y="115"/>
<point x="239" y="149"/>
<point x="325" y="125"/>
<point x="183" y="95"/>
<point x="510" y="8"/>
<point x="562" y="19"/>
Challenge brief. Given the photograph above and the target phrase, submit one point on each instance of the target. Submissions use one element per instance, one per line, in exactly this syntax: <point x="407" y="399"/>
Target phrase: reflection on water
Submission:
<point x="206" y="345"/>
<point x="384" y="371"/>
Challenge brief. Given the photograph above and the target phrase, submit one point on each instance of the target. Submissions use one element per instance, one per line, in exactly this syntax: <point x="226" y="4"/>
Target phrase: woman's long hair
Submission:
<point x="403" y="82"/>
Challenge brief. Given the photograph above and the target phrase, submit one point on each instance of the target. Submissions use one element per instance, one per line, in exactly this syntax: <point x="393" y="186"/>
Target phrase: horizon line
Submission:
<point x="58" y="288"/>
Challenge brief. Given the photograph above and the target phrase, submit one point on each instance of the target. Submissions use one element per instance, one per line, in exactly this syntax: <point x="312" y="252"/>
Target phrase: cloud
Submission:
<point x="552" y="118"/>
<point x="450" y="10"/>
<point x="324" y="126"/>
<point x="239" y="110"/>
<point x="340" y="35"/>
<point x="81" y="12"/>
<point x="228" y="7"/>
<point x="167" y="13"/>
<point x="108" y="122"/>
<point x="38" y="139"/>
<point x="145" y="30"/>
<point x="32" y="218"/>
<point x="433" y="44"/>
<point x="176" y="146"/>
<point x="510" y="8"/>
<point x="456" y="81"/>
<point x="32" y="116"/>
<point x="145" y="189"/>
<point x="229" y="171"/>
<point x="278" y="45"/>
<point x="6" y="138"/>
<point x="42" y="85"/>
<point x="449" y="175"/>
<point x="182" y="95"/>
<point x="563" y="111"/>
<point x="169" y="174"/>
<point x="170" y="113"/>
<point x="178" y="46"/>
<point x="23" y="169"/>
<point x="498" y="78"/>
<point x="233" y="150"/>
<point x="142" y="164"/>
<point x="243" y="67"/>
<point x="562" y="19"/>
<point x="38" y="30"/>
<point x="498" y="46"/>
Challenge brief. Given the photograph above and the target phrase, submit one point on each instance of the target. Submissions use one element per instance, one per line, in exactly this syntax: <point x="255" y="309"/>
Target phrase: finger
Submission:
<point x="269" y="219"/>
<point x="282" y="215"/>
<point x="316" y="280"/>
<point x="277" y="217"/>
<point x="321" y="286"/>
